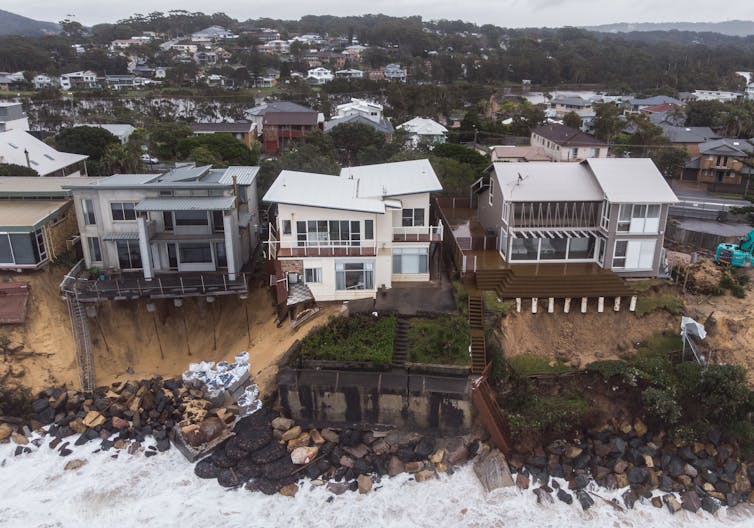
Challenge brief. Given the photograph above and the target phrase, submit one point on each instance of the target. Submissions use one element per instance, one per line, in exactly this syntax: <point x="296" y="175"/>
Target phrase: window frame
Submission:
<point x="95" y="249"/>
<point x="87" y="211"/>
<point x="123" y="210"/>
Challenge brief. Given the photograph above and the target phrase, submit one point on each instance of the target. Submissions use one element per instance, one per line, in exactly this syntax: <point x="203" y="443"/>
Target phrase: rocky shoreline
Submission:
<point x="706" y="475"/>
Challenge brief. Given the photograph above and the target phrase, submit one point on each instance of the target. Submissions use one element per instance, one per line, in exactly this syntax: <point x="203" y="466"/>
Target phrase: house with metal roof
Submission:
<point x="37" y="220"/>
<point x="18" y="147"/>
<point x="421" y="130"/>
<point x="688" y="138"/>
<point x="722" y="164"/>
<point x="244" y="131"/>
<point x="562" y="143"/>
<point x="281" y="122"/>
<point x="605" y="211"/>
<point x="345" y="237"/>
<point x="361" y="111"/>
<point x="187" y="220"/>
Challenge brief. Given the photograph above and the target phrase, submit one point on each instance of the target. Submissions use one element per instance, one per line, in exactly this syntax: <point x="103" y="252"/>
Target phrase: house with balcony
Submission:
<point x="319" y="76"/>
<point x="348" y="236"/>
<point x="605" y="211"/>
<point x="722" y="164"/>
<point x="562" y="143"/>
<point x="160" y="228"/>
<point x="281" y="122"/>
<point x="80" y="80"/>
<point x="361" y="111"/>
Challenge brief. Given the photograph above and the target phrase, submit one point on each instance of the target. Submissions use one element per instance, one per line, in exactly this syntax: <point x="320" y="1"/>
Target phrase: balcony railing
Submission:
<point x="418" y="234"/>
<point x="330" y="248"/>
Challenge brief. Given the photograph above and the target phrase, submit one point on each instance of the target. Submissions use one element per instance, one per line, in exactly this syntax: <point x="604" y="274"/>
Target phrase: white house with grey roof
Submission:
<point x="609" y="211"/>
<point x="347" y="236"/>
<point x="189" y="219"/>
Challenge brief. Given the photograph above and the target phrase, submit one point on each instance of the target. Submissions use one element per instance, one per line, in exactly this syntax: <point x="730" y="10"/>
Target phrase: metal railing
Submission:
<point x="419" y="233"/>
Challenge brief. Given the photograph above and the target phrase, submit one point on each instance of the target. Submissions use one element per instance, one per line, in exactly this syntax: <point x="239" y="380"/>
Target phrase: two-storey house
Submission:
<point x="189" y="219"/>
<point x="562" y="143"/>
<point x="724" y="162"/>
<point x="607" y="211"/>
<point x="347" y="236"/>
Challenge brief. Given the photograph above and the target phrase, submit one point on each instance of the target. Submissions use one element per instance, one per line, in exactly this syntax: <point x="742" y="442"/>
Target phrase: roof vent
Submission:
<point x="688" y="130"/>
<point x="736" y="143"/>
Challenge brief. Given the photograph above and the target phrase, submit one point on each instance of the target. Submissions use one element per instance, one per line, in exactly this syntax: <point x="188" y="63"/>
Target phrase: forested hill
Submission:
<point x="733" y="28"/>
<point x="12" y="24"/>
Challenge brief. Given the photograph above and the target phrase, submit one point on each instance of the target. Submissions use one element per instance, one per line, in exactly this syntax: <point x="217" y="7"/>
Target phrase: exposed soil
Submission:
<point x="133" y="343"/>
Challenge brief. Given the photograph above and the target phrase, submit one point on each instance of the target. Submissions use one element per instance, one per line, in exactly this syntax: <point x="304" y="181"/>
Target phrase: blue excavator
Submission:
<point x="737" y="255"/>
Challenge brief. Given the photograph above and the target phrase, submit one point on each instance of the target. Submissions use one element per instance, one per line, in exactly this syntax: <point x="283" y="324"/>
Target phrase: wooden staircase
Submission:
<point x="476" y="332"/>
<point x="552" y="281"/>
<point x="490" y="413"/>
<point x="400" y="343"/>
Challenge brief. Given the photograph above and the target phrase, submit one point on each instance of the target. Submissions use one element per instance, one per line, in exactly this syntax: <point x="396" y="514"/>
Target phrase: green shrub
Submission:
<point x="530" y="364"/>
<point x="495" y="356"/>
<point x="493" y="304"/>
<point x="661" y="406"/>
<point x="652" y="302"/>
<point x="442" y="340"/>
<point x="548" y="415"/>
<point x="354" y="338"/>
<point x="608" y="368"/>
<point x="461" y="297"/>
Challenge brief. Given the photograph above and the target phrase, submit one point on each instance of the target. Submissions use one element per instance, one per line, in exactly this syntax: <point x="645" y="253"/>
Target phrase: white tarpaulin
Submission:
<point x="691" y="327"/>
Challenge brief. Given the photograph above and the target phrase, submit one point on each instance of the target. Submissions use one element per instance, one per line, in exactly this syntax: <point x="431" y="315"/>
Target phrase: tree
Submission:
<point x="670" y="161"/>
<point x="463" y="155"/>
<point x="164" y="138"/>
<point x="572" y="119"/>
<point x="225" y="150"/>
<point x="350" y="139"/>
<point x="607" y="121"/>
<point x="455" y="177"/>
<point x="204" y="156"/>
<point x="11" y="169"/>
<point x="91" y="141"/>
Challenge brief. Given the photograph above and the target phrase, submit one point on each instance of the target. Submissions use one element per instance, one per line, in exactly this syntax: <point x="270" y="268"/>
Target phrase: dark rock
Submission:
<point x="709" y="476"/>
<point x="220" y="458"/>
<point x="19" y="451"/>
<point x="64" y="452"/>
<point x="710" y="505"/>
<point x="582" y="461"/>
<point x="629" y="498"/>
<point x="714" y="436"/>
<point x="537" y="461"/>
<point x="584" y="499"/>
<point x="556" y="470"/>
<point x="81" y="440"/>
<point x="40" y="405"/>
<point x="270" y="453"/>
<point x="337" y="488"/>
<point x="425" y="447"/>
<point x="687" y="453"/>
<point x="675" y="467"/>
<point x="228" y="478"/>
<point x="666" y="484"/>
<point x="350" y="437"/>
<point x="106" y="444"/>
<point x="163" y="445"/>
<point x="731" y="499"/>
<point x="564" y="496"/>
<point x="637" y="475"/>
<point x="691" y="501"/>
<point x="579" y="482"/>
<point x="619" y="445"/>
<point x="543" y="496"/>
<point x="150" y="454"/>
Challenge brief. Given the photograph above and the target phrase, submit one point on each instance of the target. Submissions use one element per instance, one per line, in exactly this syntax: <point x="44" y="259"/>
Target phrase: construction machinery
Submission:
<point x="737" y="255"/>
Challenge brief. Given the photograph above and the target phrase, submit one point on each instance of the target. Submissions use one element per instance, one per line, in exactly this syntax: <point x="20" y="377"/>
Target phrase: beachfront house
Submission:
<point x="608" y="211"/>
<point x="18" y="147"/>
<point x="348" y="236"/>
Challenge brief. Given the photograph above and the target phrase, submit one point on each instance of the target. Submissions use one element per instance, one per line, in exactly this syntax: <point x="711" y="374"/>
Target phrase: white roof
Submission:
<point x="631" y="180"/>
<point x="116" y="129"/>
<point x="43" y="158"/>
<point x="320" y="190"/>
<point x="544" y="181"/>
<point x="393" y="179"/>
<point x="423" y="127"/>
<point x="33" y="185"/>
<point x="244" y="175"/>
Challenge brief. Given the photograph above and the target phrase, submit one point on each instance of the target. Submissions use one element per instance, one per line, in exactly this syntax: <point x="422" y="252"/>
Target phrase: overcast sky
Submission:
<point x="506" y="13"/>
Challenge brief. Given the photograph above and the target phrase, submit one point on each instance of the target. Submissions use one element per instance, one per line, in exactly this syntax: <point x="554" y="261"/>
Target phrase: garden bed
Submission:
<point x="440" y="340"/>
<point x="358" y="338"/>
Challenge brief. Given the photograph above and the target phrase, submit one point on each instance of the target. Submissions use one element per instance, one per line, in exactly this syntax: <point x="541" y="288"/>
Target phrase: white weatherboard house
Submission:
<point x="190" y="219"/>
<point x="347" y="236"/>
<point x="422" y="130"/>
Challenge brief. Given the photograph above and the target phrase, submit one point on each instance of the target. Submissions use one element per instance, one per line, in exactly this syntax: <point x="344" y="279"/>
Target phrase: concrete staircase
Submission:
<point x="400" y="343"/>
<point x="476" y="332"/>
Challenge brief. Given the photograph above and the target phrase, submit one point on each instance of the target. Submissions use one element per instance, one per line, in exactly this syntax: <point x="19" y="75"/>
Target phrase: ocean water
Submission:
<point x="162" y="491"/>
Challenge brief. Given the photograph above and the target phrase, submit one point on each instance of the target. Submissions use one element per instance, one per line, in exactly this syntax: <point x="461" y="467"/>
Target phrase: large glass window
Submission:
<point x="95" y="251"/>
<point x="525" y="249"/>
<point x="554" y="249"/>
<point x="218" y="224"/>
<point x="369" y="229"/>
<point x="195" y="253"/>
<point x="412" y="217"/>
<point x="129" y="256"/>
<point x="639" y="218"/>
<point x="123" y="211"/>
<point x="354" y="275"/>
<point x="410" y="260"/>
<point x="581" y="248"/>
<point x="6" y="253"/>
<point x="167" y="220"/>
<point x="328" y="233"/>
<point x="634" y="254"/>
<point x="312" y="274"/>
<point x="87" y="208"/>
<point x="24" y="248"/>
<point x="191" y="218"/>
<point x="286" y="227"/>
<point x="222" y="258"/>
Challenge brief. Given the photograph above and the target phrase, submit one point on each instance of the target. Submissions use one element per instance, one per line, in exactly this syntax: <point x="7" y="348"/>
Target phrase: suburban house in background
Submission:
<point x="189" y="219"/>
<point x="563" y="105"/>
<point x="345" y="237"/>
<point x="21" y="148"/>
<point x="213" y="33"/>
<point x="280" y="122"/>
<point x="319" y="76"/>
<point x="37" y="220"/>
<point x="80" y="80"/>
<point x="349" y="74"/>
<point x="244" y="131"/>
<point x="394" y="72"/>
<point x="12" y="117"/>
<point x="361" y="111"/>
<point x="721" y="164"/>
<point x="562" y="143"/>
<point x="611" y="212"/>
<point x="122" y="131"/>
<point x="688" y="138"/>
<point x="509" y="153"/>
<point x="420" y="130"/>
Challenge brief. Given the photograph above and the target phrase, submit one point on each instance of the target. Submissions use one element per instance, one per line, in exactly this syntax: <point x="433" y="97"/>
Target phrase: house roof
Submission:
<point x="290" y="118"/>
<point x="28" y="213"/>
<point x="726" y="147"/>
<point x="393" y="179"/>
<point x="117" y="130"/>
<point x="277" y="106"/>
<point x="178" y="178"/>
<point x="656" y="100"/>
<point x="630" y="180"/>
<point x="660" y="108"/>
<point x="573" y="100"/>
<point x="546" y="181"/>
<point x="423" y="127"/>
<point x="383" y="126"/>
<point x="567" y="136"/>
<point x="197" y="203"/>
<point x="320" y="190"/>
<point x="43" y="158"/>
<point x="528" y="153"/>
<point x="237" y="127"/>
<point x="244" y="175"/>
<point x="679" y="134"/>
<point x="36" y="187"/>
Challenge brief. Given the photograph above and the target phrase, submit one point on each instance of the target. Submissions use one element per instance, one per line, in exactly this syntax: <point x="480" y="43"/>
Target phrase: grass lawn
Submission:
<point x="354" y="338"/>
<point x="650" y="302"/>
<point x="530" y="364"/>
<point x="443" y="340"/>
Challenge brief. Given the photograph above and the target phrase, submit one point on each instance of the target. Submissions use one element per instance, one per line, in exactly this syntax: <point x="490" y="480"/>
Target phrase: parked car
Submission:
<point x="146" y="158"/>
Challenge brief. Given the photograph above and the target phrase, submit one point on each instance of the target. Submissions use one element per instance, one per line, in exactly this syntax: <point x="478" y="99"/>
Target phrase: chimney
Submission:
<point x="28" y="162"/>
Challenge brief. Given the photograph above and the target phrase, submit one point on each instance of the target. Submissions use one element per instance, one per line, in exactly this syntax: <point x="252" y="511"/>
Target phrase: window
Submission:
<point x="639" y="218"/>
<point x="619" y="256"/>
<point x="123" y="211"/>
<point x="574" y="153"/>
<point x="312" y="275"/>
<point x="167" y="220"/>
<point x="506" y="210"/>
<point x="412" y="217"/>
<point x="172" y="257"/>
<point x="328" y="233"/>
<point x="286" y="227"/>
<point x="218" y="221"/>
<point x="634" y="254"/>
<point x="410" y="260"/>
<point x="87" y="208"/>
<point x="596" y="153"/>
<point x="368" y="229"/>
<point x="195" y="253"/>
<point x="129" y="256"/>
<point x="354" y="275"/>
<point x="492" y="189"/>
<point x="605" y="220"/>
<point x="95" y="251"/>
<point x="191" y="218"/>
<point x="222" y="258"/>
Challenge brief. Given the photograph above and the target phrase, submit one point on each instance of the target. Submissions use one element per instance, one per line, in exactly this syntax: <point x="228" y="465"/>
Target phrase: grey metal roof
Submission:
<point x="679" y="134"/>
<point x="244" y="175"/>
<point x="277" y="106"/>
<point x="383" y="126"/>
<point x="200" y="203"/>
<point x="184" y="174"/>
<point x="726" y="147"/>
<point x="237" y="127"/>
<point x="121" y="236"/>
<point x="631" y="180"/>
